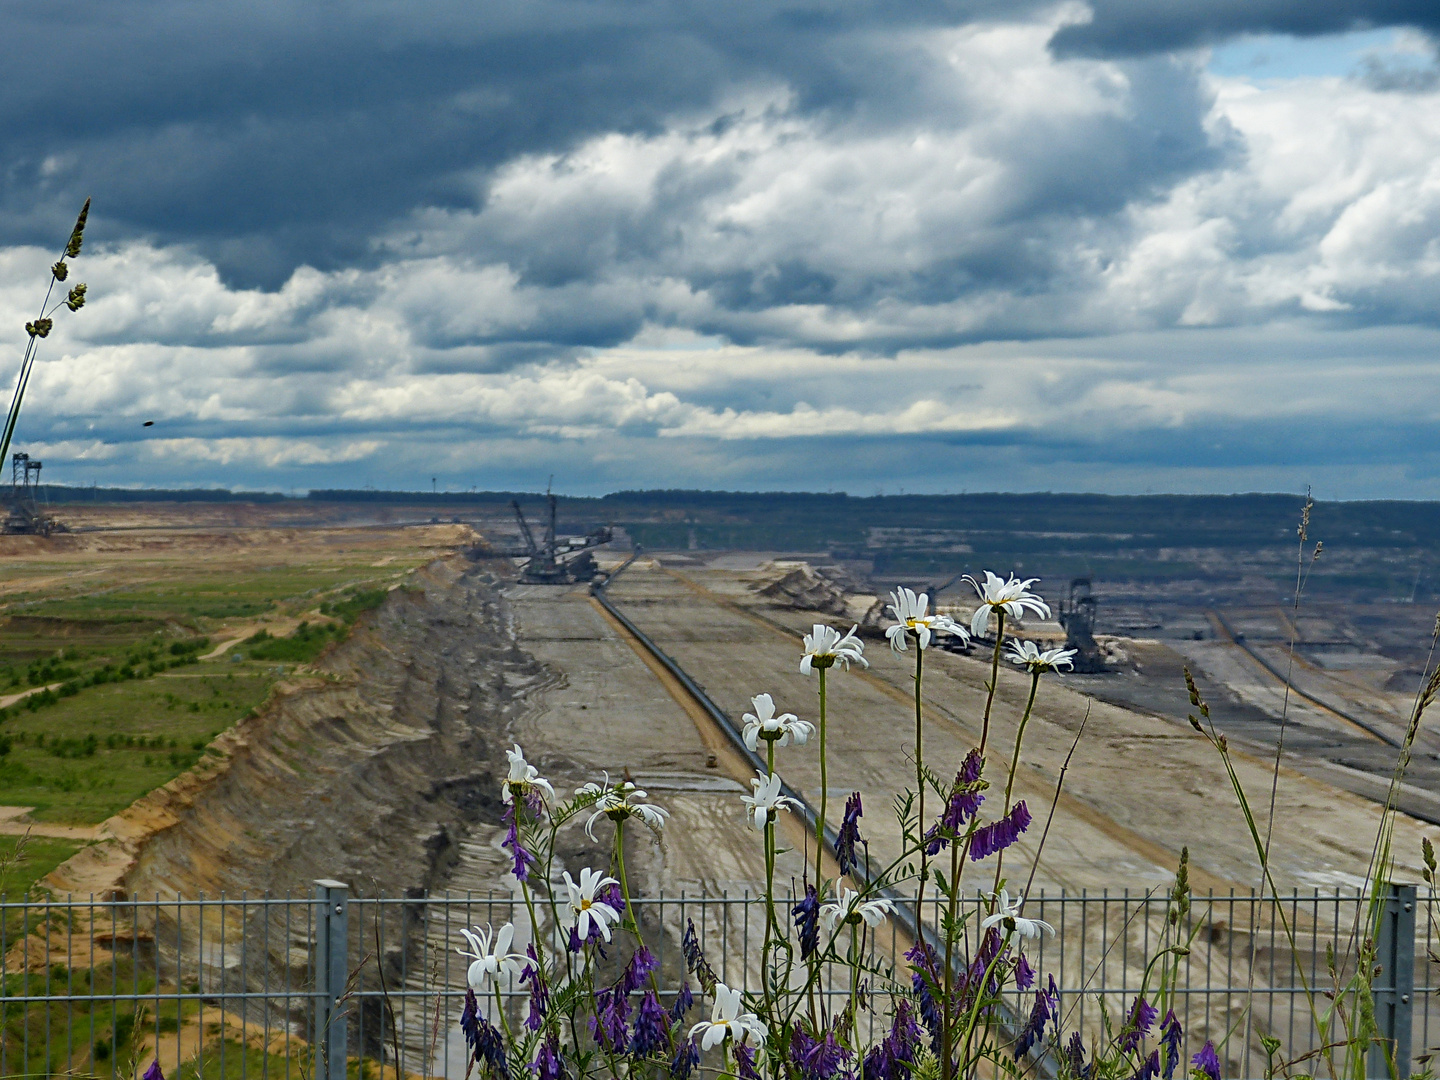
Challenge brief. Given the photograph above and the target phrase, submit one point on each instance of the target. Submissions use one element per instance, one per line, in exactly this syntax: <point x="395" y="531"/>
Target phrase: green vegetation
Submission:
<point x="36" y="857"/>
<point x="89" y="755"/>
<point x="300" y="647"/>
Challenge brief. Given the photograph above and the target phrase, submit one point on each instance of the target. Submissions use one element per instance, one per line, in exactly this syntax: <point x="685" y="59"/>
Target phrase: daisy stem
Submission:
<point x="994" y="678"/>
<point x="824" y="793"/>
<point x="1014" y="765"/>
<point x="629" y="916"/>
<point x="500" y="1008"/>
<point x="920" y="786"/>
<point x="854" y="985"/>
<point x="770" y="933"/>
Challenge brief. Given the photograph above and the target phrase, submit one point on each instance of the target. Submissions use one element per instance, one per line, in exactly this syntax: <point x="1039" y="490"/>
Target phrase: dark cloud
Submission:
<point x="1144" y="27"/>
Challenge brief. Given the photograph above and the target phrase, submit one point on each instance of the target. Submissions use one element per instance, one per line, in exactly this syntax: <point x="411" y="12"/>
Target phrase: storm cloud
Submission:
<point x="964" y="245"/>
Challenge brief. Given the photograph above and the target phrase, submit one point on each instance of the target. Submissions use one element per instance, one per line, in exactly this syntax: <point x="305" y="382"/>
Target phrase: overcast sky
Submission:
<point x="936" y="246"/>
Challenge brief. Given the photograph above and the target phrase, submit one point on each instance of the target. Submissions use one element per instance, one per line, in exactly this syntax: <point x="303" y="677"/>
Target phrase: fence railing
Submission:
<point x="336" y="985"/>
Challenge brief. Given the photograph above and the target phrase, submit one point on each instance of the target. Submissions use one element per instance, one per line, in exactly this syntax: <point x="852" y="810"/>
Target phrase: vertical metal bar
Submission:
<point x="331" y="942"/>
<point x="1395" y="948"/>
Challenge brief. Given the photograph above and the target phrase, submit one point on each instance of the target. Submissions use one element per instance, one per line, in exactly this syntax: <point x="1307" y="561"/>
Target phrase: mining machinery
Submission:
<point x="23" y="515"/>
<point x="1077" y="616"/>
<point x="552" y="560"/>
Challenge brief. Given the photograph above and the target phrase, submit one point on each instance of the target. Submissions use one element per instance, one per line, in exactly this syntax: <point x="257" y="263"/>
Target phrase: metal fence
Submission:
<point x="335" y="985"/>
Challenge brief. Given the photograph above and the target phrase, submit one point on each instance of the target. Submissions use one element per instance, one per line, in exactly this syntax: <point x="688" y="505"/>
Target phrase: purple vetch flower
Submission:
<point x="1150" y="1068"/>
<point x="925" y="980"/>
<point x="849" y="834"/>
<point x="745" y="1061"/>
<point x="695" y="960"/>
<point x="1047" y="1005"/>
<point x="470" y="1021"/>
<point x="1075" y="1055"/>
<point x="521" y="859"/>
<point x="817" y="1059"/>
<point x="685" y="1060"/>
<point x="1171" y="1034"/>
<point x="549" y="1065"/>
<point x="962" y="805"/>
<point x="642" y="963"/>
<point x="985" y="957"/>
<point x="890" y="1059"/>
<point x="1142" y="1017"/>
<point x="683" y="1001"/>
<point x="610" y="1024"/>
<point x="807" y="921"/>
<point x="1024" y="973"/>
<point x="1206" y="1061"/>
<point x="539" y="992"/>
<point x="490" y="1048"/>
<point x="999" y="835"/>
<point x="652" y="1027"/>
<point x="153" y="1072"/>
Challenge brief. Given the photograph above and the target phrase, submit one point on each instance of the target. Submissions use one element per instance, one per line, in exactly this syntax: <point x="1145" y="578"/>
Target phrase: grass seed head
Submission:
<point x="61" y="270"/>
<point x="76" y="300"/>
<point x="39" y="328"/>
<point x="77" y="235"/>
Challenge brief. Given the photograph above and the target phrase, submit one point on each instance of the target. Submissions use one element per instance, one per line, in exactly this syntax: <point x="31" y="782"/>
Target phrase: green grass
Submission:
<point x="90" y="755"/>
<point x="37" y="858"/>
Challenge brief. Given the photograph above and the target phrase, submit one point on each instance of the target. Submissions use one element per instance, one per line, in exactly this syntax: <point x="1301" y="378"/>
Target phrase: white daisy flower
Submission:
<point x="523" y="779"/>
<point x="1028" y="655"/>
<point x="825" y="647"/>
<point x="621" y="801"/>
<point x="583" y="909"/>
<point x="766" y="802"/>
<point x="910" y="612"/>
<point x="1007" y="915"/>
<point x="1009" y="596"/>
<point x="496" y="965"/>
<point x="764" y="724"/>
<point x="848" y="909"/>
<point x="727" y="1019"/>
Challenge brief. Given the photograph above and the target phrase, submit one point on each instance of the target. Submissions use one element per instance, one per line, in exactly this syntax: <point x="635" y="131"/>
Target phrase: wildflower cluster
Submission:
<point x="951" y="1013"/>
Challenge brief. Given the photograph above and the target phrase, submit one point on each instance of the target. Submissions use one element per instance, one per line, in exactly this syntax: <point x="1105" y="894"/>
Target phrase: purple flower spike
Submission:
<point x="610" y="1024"/>
<point x="1024" y="973"/>
<point x="683" y="1001"/>
<point x="1207" y="1062"/>
<point x="999" y="835"/>
<point x="745" y="1062"/>
<point x="470" y="1021"/>
<point x="807" y="921"/>
<point x="652" y="1027"/>
<point x="685" y="1060"/>
<point x="549" y="1065"/>
<point x="539" y="992"/>
<point x="637" y="971"/>
<point x="1172" y="1034"/>
<point x="1035" y="1027"/>
<point x="848" y="835"/>
<point x="521" y="859"/>
<point x="1142" y="1017"/>
<point x="1151" y="1067"/>
<point x="817" y="1059"/>
<point x="153" y="1072"/>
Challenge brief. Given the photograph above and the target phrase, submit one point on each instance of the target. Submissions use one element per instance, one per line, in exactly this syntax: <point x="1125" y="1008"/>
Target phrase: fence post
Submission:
<point x="331" y="964"/>
<point x="1395" y="987"/>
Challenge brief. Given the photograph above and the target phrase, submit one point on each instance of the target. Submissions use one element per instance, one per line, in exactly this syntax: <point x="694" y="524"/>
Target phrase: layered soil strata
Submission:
<point x="368" y="770"/>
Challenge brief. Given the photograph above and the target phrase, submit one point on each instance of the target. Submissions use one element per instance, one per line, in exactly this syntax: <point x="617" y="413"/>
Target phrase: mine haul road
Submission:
<point x="1138" y="789"/>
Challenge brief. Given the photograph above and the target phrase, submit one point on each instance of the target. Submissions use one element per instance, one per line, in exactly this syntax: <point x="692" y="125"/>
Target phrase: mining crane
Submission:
<point x="1077" y="616"/>
<point x="551" y="561"/>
